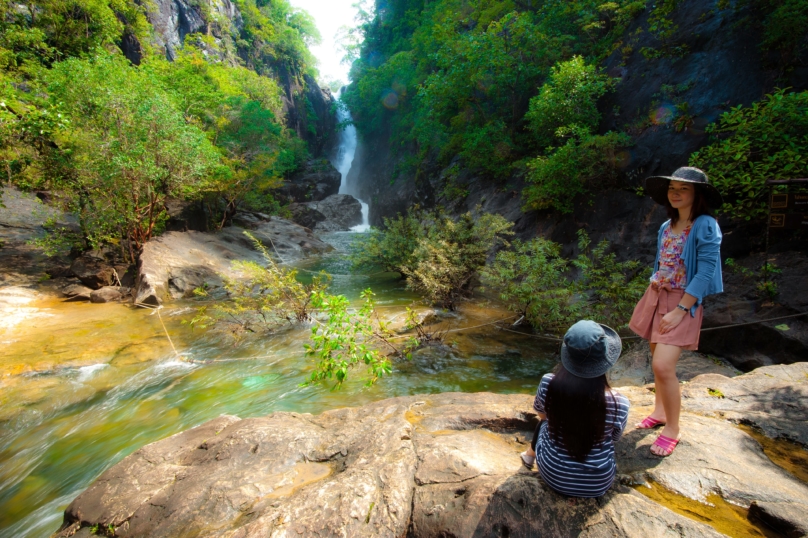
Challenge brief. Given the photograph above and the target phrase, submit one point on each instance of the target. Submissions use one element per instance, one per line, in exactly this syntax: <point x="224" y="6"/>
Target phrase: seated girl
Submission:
<point x="581" y="417"/>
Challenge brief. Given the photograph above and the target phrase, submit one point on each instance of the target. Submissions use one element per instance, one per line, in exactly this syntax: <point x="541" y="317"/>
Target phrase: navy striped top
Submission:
<point x="594" y="476"/>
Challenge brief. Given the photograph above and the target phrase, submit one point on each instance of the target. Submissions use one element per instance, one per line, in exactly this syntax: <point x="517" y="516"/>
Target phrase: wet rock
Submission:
<point x="340" y="212"/>
<point x="176" y="263"/>
<point x="789" y="519"/>
<point x="93" y="272"/>
<point x="440" y="465"/>
<point x="107" y="294"/>
<point x="77" y="292"/>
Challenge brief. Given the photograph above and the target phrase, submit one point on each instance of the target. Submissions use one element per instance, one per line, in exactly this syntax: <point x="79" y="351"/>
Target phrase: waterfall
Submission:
<point x="345" y="156"/>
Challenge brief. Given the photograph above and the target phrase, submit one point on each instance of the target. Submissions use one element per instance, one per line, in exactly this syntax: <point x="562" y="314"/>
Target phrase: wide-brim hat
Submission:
<point x="657" y="186"/>
<point x="590" y="349"/>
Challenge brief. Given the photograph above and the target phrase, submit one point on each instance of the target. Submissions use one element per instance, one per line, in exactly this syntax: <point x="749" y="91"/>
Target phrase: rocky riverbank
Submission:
<point x="448" y="465"/>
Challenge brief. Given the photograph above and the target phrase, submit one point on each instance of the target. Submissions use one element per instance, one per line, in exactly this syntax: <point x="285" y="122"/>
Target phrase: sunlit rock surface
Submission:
<point x="174" y="264"/>
<point x="447" y="465"/>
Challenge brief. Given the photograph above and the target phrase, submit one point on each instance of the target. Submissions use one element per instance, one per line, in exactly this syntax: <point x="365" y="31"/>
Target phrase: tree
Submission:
<point x="130" y="146"/>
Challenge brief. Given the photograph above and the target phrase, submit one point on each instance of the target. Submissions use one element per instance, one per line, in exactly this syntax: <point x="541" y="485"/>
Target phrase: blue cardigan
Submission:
<point x="702" y="258"/>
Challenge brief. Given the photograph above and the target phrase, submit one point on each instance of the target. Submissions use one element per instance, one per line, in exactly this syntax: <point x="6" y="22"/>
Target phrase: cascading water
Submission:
<point x="344" y="161"/>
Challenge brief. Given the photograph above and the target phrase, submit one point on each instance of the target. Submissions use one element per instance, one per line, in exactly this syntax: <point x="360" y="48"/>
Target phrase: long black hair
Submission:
<point x="700" y="206"/>
<point x="576" y="412"/>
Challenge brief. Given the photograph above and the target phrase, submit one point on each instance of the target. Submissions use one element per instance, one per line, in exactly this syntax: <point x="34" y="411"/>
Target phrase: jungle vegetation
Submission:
<point x="512" y="87"/>
<point x="113" y="137"/>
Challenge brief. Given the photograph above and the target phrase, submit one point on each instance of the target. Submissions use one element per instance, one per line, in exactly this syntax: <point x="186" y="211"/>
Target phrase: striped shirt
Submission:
<point x="594" y="476"/>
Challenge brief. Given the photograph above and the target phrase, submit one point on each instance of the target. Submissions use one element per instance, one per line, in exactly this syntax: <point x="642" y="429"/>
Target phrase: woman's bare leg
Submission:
<point x="668" y="399"/>
<point x="659" y="409"/>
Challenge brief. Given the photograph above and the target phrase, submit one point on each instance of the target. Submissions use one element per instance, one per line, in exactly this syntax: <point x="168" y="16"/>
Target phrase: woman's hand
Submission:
<point x="671" y="320"/>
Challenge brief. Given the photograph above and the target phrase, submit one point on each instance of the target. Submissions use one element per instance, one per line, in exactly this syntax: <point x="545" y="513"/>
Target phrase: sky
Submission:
<point x="329" y="15"/>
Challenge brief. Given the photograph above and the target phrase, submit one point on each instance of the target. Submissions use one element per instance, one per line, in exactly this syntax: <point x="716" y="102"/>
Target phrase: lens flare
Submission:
<point x="390" y="100"/>
<point x="663" y="115"/>
<point x="622" y="159"/>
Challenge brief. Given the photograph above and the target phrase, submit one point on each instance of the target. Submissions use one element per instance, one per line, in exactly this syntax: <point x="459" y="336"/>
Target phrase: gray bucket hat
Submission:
<point x="590" y="349"/>
<point x="657" y="186"/>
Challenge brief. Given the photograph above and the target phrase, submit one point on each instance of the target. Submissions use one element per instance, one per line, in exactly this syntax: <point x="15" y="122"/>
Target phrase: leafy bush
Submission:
<point x="567" y="100"/>
<point x="438" y="254"/>
<point x="535" y="281"/>
<point x="556" y="179"/>
<point x="610" y="289"/>
<point x="768" y="140"/>
<point x="531" y="279"/>
<point x="346" y="339"/>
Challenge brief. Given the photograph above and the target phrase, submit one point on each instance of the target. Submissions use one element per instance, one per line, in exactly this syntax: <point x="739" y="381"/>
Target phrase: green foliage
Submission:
<point x="610" y="289"/>
<point x="129" y="147"/>
<point x="346" y="339"/>
<point x="90" y="128"/>
<point x="568" y="99"/>
<point x="531" y="279"/>
<point x="768" y="140"/>
<point x="534" y="280"/>
<point x="437" y="254"/>
<point x="452" y="77"/>
<point x="661" y="26"/>
<point x="58" y="239"/>
<point x="783" y="23"/>
<point x="556" y="179"/>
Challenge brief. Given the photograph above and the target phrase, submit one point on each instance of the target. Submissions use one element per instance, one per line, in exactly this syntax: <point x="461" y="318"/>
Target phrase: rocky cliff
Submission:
<point x="448" y="465"/>
<point x="308" y="108"/>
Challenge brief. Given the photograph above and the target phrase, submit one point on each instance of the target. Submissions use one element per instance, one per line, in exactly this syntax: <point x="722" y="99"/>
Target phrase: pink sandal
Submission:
<point x="667" y="445"/>
<point x="649" y="423"/>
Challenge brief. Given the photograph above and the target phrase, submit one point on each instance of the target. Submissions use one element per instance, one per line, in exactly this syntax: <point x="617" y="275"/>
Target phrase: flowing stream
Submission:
<point x="84" y="385"/>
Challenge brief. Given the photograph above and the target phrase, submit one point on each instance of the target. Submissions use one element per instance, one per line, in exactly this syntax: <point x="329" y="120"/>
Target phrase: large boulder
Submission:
<point x="443" y="465"/>
<point x="93" y="271"/>
<point x="338" y="212"/>
<point x="316" y="180"/>
<point x="176" y="263"/>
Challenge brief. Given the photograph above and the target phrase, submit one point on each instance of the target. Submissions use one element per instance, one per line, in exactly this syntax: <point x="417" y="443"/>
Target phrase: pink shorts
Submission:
<point x="655" y="303"/>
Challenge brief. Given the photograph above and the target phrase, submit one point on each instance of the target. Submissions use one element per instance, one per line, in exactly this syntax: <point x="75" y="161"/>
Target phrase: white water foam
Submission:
<point x="345" y="157"/>
<point x="87" y="372"/>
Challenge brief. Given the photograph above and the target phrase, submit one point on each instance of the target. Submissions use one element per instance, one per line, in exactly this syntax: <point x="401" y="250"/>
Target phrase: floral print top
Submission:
<point x="671" y="266"/>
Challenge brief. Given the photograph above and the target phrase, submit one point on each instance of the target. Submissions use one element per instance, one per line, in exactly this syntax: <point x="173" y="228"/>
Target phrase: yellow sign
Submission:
<point x="777" y="220"/>
<point x="779" y="201"/>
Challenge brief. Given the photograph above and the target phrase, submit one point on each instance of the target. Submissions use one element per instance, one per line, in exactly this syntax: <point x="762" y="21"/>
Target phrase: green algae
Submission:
<point x="721" y="515"/>
<point x="784" y="453"/>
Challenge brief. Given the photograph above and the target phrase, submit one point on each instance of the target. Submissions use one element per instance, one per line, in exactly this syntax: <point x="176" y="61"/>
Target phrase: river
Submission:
<point x="83" y="385"/>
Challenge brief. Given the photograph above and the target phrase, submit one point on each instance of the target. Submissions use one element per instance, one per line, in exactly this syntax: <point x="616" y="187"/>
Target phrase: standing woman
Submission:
<point x="687" y="269"/>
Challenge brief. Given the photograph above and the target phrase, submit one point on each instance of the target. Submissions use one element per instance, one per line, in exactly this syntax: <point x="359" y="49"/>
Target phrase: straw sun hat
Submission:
<point x="657" y="186"/>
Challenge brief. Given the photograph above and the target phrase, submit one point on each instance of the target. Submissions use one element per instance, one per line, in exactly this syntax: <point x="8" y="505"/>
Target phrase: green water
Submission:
<point x="82" y="386"/>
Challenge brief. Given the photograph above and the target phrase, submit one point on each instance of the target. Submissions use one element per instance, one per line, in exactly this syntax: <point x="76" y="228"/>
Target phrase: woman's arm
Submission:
<point x="708" y="256"/>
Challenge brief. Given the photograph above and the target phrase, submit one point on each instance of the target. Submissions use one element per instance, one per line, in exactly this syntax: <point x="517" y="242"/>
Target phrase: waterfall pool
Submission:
<point x="83" y="385"/>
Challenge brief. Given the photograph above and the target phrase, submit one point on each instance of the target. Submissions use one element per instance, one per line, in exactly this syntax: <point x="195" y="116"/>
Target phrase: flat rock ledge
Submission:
<point x="447" y="465"/>
<point x="174" y="264"/>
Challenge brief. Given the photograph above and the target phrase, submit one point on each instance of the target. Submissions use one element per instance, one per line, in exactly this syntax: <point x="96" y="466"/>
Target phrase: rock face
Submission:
<point x="446" y="465"/>
<point x="176" y="263"/>
<point x="316" y="180"/>
<point x="338" y="212"/>
<point x="94" y="272"/>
